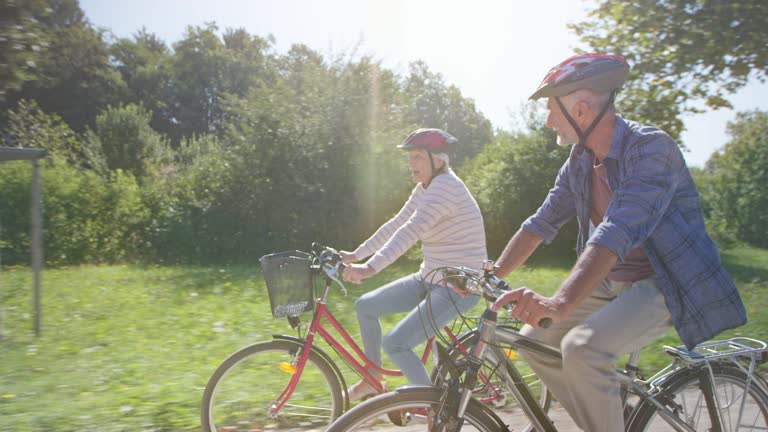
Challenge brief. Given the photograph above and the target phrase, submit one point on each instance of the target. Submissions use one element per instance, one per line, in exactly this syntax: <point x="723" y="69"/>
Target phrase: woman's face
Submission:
<point x="421" y="169"/>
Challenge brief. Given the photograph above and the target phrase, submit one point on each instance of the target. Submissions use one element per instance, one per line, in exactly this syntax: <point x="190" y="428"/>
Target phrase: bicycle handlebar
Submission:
<point x="330" y="263"/>
<point x="490" y="287"/>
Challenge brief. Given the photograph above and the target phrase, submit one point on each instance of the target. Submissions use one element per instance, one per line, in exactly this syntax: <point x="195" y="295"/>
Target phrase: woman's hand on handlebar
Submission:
<point x="348" y="257"/>
<point x="356" y="273"/>
<point x="530" y="307"/>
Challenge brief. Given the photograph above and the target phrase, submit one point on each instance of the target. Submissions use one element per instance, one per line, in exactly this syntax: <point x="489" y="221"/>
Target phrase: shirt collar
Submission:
<point x="617" y="142"/>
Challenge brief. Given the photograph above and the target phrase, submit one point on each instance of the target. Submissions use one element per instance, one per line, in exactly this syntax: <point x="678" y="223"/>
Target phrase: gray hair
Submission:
<point x="595" y="100"/>
<point x="443" y="157"/>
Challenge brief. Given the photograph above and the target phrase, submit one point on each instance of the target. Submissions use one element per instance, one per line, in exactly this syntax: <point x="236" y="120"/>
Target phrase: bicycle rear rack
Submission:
<point x="721" y="349"/>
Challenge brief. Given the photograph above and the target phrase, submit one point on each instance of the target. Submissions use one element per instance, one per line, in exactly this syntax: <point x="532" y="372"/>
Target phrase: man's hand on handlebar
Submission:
<point x="531" y="308"/>
<point x="356" y="273"/>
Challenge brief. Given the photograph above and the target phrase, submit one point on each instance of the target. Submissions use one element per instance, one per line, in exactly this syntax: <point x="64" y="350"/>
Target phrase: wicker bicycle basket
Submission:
<point x="289" y="282"/>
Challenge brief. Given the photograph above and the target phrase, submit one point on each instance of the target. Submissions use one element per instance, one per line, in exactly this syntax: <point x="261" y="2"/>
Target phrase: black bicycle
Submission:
<point x="712" y="388"/>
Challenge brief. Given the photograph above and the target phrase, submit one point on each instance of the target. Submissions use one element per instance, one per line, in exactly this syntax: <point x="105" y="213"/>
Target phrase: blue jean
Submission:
<point x="408" y="293"/>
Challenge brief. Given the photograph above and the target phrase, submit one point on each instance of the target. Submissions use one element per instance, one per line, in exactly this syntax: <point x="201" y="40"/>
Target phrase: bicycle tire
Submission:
<point x="683" y="393"/>
<point x="242" y="389"/>
<point x="412" y="403"/>
<point x="491" y="389"/>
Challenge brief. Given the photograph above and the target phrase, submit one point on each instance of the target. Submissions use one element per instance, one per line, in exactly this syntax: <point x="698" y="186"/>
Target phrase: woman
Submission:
<point x="444" y="216"/>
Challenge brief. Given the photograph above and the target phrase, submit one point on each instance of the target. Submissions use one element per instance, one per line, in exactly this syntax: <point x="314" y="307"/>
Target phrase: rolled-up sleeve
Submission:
<point x="558" y="208"/>
<point x="651" y="176"/>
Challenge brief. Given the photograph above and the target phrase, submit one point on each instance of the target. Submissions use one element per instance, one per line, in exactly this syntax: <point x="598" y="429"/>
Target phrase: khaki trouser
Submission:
<point x="618" y="318"/>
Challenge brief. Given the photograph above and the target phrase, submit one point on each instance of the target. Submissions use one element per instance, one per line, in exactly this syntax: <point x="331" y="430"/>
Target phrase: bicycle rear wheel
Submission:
<point x="491" y="390"/>
<point x="413" y="405"/>
<point x="683" y="395"/>
<point x="242" y="391"/>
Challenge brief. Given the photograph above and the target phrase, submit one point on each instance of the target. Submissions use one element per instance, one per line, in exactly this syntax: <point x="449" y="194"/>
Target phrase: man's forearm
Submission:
<point x="590" y="269"/>
<point x="518" y="249"/>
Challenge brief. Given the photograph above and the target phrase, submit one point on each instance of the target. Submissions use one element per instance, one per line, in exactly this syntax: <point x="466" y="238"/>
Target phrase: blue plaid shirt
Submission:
<point x="655" y="205"/>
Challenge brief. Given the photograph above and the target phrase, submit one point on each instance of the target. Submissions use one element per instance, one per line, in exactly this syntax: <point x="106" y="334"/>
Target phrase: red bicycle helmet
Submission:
<point x="596" y="71"/>
<point x="433" y="140"/>
<point x="604" y="73"/>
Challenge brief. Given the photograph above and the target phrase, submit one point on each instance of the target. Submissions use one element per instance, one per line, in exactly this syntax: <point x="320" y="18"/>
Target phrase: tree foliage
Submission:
<point x="433" y="104"/>
<point x="224" y="149"/>
<point x="22" y="38"/>
<point x="144" y="64"/>
<point x="682" y="52"/>
<point x="87" y="217"/>
<point x="30" y="127"/>
<point x="73" y="75"/>
<point x="733" y="182"/>
<point x="124" y="140"/>
<point x="219" y="148"/>
<point x="510" y="179"/>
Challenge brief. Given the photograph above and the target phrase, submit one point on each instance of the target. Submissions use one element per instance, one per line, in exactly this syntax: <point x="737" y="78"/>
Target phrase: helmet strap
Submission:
<point x="435" y="172"/>
<point x="432" y="164"/>
<point x="583" y="135"/>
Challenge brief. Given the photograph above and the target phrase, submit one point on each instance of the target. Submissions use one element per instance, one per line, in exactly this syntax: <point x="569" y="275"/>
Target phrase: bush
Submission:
<point x="85" y="217"/>
<point x="733" y="183"/>
<point x="510" y="179"/>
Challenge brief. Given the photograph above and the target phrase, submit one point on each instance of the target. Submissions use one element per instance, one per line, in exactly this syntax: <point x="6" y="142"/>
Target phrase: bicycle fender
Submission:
<point x="317" y="350"/>
<point x="420" y="388"/>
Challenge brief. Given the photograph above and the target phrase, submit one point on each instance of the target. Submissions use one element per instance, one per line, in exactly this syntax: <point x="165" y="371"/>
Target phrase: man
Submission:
<point x="644" y="257"/>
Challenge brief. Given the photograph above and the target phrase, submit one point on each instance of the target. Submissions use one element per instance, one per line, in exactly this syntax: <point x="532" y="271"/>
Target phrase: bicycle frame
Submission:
<point x="357" y="360"/>
<point x="492" y="337"/>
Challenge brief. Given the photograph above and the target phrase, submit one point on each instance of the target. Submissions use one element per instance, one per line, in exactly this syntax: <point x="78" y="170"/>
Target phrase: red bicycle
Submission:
<point x="290" y="382"/>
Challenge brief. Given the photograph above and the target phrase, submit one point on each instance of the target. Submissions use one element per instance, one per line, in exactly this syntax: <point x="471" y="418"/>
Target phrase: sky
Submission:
<point x="496" y="51"/>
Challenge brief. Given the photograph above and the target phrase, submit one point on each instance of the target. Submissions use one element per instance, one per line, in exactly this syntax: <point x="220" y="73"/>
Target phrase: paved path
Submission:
<point x="559" y="416"/>
<point x="516" y="422"/>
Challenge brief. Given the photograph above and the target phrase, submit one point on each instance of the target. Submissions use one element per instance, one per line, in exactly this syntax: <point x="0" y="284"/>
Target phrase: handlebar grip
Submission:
<point x="545" y="322"/>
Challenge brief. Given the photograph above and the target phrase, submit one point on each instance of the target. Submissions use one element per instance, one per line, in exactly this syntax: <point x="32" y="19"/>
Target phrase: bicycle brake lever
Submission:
<point x="332" y="272"/>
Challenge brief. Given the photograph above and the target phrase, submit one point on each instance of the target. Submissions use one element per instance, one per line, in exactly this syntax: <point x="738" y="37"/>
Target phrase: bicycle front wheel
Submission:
<point x="491" y="389"/>
<point x="242" y="393"/>
<point x="412" y="408"/>
<point x="740" y="409"/>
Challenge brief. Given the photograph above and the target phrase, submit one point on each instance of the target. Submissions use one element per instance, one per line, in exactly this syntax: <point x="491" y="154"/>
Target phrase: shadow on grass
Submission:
<point x="746" y="265"/>
<point x="746" y="273"/>
<point x="206" y="280"/>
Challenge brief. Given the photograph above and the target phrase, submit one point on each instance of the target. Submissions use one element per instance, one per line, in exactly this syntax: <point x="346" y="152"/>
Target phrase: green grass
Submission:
<point x="131" y="347"/>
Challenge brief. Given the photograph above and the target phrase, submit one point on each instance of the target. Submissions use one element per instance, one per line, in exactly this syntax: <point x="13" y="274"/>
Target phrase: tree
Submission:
<point x="127" y="141"/>
<point x="22" y="39"/>
<point x="30" y="127"/>
<point x="734" y="179"/>
<point x="433" y="104"/>
<point x="248" y="61"/>
<point x="88" y="217"/>
<point x="207" y="68"/>
<point x="74" y="77"/>
<point x="510" y="179"/>
<point x="681" y="52"/>
<point x="144" y="63"/>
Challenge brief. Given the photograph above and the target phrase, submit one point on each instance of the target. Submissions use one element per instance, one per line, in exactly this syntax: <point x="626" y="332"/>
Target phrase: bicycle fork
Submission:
<point x="512" y="377"/>
<point x="295" y="369"/>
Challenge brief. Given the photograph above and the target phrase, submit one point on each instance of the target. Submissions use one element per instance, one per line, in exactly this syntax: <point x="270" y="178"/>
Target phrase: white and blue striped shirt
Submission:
<point x="444" y="216"/>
